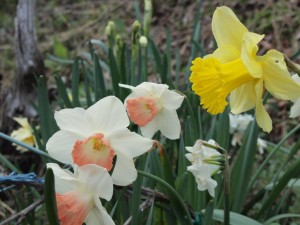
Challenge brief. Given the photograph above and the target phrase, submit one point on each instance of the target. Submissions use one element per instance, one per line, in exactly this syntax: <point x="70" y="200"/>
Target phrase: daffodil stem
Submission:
<point x="218" y="148"/>
<point x="30" y="148"/>
<point x="291" y="65"/>
<point x="226" y="191"/>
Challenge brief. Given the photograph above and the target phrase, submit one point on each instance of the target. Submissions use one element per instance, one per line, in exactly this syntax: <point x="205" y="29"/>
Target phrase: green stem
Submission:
<point x="226" y="191"/>
<point x="271" y="154"/>
<point x="172" y="191"/>
<point x="30" y="148"/>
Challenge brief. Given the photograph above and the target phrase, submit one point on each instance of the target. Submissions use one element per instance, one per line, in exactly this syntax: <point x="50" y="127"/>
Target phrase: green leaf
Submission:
<point x="115" y="74"/>
<point x="99" y="84"/>
<point x="181" y="211"/>
<point x="208" y="216"/>
<point x="235" y="218"/>
<point x="62" y="92"/>
<point x="50" y="200"/>
<point x="292" y="172"/>
<point x="48" y="124"/>
<point x="281" y="216"/>
<point x="242" y="169"/>
<point x="75" y="82"/>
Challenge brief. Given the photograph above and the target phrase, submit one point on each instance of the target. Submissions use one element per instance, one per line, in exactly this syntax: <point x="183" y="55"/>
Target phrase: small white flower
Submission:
<point x="153" y="107"/>
<point x="261" y="144"/>
<point x="77" y="195"/>
<point x="23" y="134"/>
<point x="238" y="126"/>
<point x="95" y="136"/>
<point x="202" y="174"/>
<point x="295" y="109"/>
<point x="200" y="156"/>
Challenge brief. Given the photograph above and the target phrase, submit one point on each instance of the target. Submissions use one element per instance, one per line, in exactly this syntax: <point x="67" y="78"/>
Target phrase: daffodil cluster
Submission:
<point x="97" y="143"/>
<point x="235" y="69"/>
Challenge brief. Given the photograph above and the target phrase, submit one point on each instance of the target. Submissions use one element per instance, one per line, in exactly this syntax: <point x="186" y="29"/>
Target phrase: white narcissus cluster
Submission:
<point x="95" y="136"/>
<point x="89" y="140"/>
<point x="153" y="107"/>
<point x="96" y="140"/>
<point x="200" y="155"/>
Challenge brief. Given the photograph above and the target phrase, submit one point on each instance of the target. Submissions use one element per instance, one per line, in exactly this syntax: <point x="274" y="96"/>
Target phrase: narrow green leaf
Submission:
<point x="48" y="124"/>
<point x="181" y="211"/>
<point x="60" y="60"/>
<point x="223" y="129"/>
<point x="208" y="216"/>
<point x="150" y="215"/>
<point x="50" y="200"/>
<point x="292" y="172"/>
<point x="241" y="170"/>
<point x="167" y="167"/>
<point x="115" y="74"/>
<point x="99" y="84"/>
<point x="235" y="218"/>
<point x="157" y="56"/>
<point x="75" y="82"/>
<point x="62" y="92"/>
<point x="86" y="85"/>
<point x="281" y="216"/>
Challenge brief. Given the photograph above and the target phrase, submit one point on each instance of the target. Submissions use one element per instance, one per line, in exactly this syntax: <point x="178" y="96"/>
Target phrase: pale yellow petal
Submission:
<point x="248" y="54"/>
<point x="227" y="29"/>
<point x="225" y="54"/>
<point x="243" y="98"/>
<point x="277" y="77"/>
<point x="262" y="117"/>
<point x="22" y="121"/>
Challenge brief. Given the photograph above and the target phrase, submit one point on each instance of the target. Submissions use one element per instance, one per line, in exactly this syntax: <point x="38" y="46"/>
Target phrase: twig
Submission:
<point x="146" y="204"/>
<point x="22" y="214"/>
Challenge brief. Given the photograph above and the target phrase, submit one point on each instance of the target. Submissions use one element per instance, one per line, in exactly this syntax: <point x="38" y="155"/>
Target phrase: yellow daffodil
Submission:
<point x="234" y="69"/>
<point x="24" y="133"/>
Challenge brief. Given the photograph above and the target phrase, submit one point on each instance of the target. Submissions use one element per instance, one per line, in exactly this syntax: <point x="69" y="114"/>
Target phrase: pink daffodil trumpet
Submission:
<point x="77" y="195"/>
<point x="96" y="136"/>
<point x="153" y="107"/>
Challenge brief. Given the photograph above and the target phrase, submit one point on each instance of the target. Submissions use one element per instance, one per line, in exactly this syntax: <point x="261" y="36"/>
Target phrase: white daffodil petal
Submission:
<point x="108" y="114"/>
<point x="98" y="215"/>
<point x="64" y="180"/>
<point x="124" y="172"/>
<point x="61" y="144"/>
<point x="97" y="179"/>
<point x="129" y="143"/>
<point x="171" y="99"/>
<point x="150" y="129"/>
<point x="73" y="120"/>
<point x="169" y="124"/>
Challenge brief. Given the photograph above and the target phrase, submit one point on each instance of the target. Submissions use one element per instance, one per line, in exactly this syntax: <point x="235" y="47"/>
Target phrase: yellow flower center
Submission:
<point x="214" y="81"/>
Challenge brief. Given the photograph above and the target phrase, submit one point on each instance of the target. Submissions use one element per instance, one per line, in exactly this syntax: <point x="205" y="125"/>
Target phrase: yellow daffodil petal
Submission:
<point x="262" y="117"/>
<point x="227" y="28"/>
<point x="225" y="53"/>
<point x="277" y="77"/>
<point x="248" y="54"/>
<point x="238" y="102"/>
